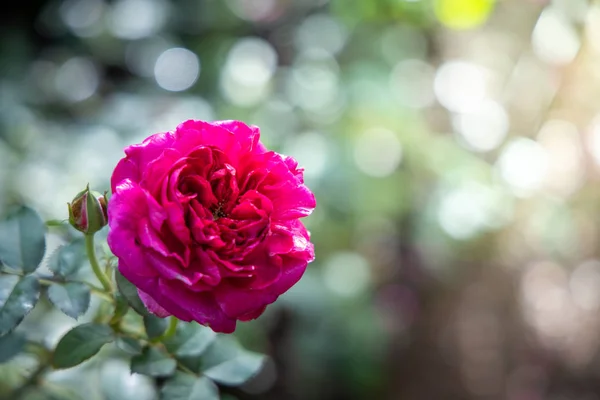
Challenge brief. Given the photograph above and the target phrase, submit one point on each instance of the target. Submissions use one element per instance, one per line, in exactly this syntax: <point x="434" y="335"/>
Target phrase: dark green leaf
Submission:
<point x="155" y="326"/>
<point x="17" y="299"/>
<point x="227" y="363"/>
<point x="237" y="371"/>
<point x="190" y="340"/>
<point x="73" y="298"/>
<point x="223" y="349"/>
<point x="129" y="345"/>
<point x="194" y="364"/>
<point x="188" y="387"/>
<point x="22" y="240"/>
<point x="67" y="259"/>
<point x="81" y="343"/>
<point x="130" y="292"/>
<point x="11" y="345"/>
<point x="153" y="362"/>
<point x="7" y="284"/>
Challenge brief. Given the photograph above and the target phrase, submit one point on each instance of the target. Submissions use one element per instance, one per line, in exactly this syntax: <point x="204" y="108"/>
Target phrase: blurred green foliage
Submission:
<point x="453" y="146"/>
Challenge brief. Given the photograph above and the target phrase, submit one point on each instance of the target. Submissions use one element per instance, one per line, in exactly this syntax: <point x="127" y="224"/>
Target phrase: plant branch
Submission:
<point x="171" y="329"/>
<point x="91" y="252"/>
<point x="44" y="357"/>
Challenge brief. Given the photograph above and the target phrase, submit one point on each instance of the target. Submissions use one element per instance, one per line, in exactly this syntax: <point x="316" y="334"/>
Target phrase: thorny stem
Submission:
<point x="91" y="252"/>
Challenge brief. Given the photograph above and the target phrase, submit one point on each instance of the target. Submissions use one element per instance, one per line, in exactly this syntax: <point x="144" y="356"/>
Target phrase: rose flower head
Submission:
<point x="205" y="222"/>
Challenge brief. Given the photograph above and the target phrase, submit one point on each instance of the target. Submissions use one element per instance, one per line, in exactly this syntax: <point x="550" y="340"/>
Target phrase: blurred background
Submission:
<point x="453" y="145"/>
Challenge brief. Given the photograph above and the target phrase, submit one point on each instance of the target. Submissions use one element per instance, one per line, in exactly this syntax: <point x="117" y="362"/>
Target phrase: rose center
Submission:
<point x="218" y="211"/>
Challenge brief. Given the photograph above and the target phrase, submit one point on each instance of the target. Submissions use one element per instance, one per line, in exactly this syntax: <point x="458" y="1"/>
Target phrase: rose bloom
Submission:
<point x="205" y="222"/>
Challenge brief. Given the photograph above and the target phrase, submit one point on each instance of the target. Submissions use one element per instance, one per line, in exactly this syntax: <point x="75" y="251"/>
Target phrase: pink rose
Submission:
<point x="205" y="222"/>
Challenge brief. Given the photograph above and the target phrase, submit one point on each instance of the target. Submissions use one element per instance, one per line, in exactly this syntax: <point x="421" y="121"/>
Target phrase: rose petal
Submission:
<point x="125" y="169"/>
<point x="152" y="305"/>
<point x="247" y="135"/>
<point x="236" y="302"/>
<point x="200" y="307"/>
<point x="149" y="150"/>
<point x="128" y="207"/>
<point x="252" y="315"/>
<point x="158" y="169"/>
<point x="191" y="134"/>
<point x="291" y="199"/>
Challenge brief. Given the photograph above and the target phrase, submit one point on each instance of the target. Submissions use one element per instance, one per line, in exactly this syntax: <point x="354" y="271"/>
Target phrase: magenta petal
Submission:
<point x="291" y="202"/>
<point x="252" y="315"/>
<point x="283" y="186"/>
<point x="127" y="209"/>
<point x="290" y="275"/>
<point x="125" y="169"/>
<point x="205" y="222"/>
<point x="150" y="239"/>
<point x="152" y="305"/>
<point x="237" y="302"/>
<point x="150" y="286"/>
<point x="292" y="164"/>
<point x="191" y="134"/>
<point x="166" y="267"/>
<point x="301" y="245"/>
<point x="201" y="307"/>
<point x="157" y="169"/>
<point x="247" y="135"/>
<point x="149" y="150"/>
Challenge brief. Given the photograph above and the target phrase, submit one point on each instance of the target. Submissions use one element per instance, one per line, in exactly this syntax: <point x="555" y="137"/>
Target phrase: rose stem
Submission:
<point x="171" y="329"/>
<point x="91" y="252"/>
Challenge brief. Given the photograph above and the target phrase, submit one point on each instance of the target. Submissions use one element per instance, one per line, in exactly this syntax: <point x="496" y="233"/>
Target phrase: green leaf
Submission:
<point x="224" y="348"/>
<point x="130" y="292"/>
<point x="22" y="240"/>
<point x="227" y="363"/>
<point x="153" y="362"/>
<point x="67" y="259"/>
<point x="238" y="370"/>
<point x="188" y="387"/>
<point x="129" y="345"/>
<point x="117" y="383"/>
<point x="190" y="340"/>
<point x="80" y="344"/>
<point x="17" y="299"/>
<point x="73" y="298"/>
<point x="155" y="326"/>
<point x="7" y="284"/>
<point x="11" y="345"/>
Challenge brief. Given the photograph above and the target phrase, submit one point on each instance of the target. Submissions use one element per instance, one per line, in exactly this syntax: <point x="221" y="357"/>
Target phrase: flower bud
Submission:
<point x="88" y="211"/>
